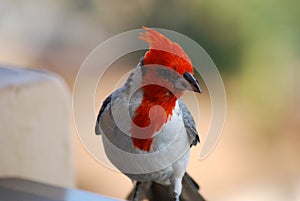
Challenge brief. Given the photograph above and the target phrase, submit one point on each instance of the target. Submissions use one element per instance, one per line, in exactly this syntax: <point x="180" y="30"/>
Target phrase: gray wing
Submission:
<point x="105" y="104"/>
<point x="189" y="124"/>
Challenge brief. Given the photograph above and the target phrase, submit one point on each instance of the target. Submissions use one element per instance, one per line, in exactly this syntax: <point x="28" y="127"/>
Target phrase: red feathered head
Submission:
<point x="163" y="51"/>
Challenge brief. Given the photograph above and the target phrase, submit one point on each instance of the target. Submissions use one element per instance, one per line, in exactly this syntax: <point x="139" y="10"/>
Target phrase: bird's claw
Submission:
<point x="136" y="192"/>
<point x="176" y="197"/>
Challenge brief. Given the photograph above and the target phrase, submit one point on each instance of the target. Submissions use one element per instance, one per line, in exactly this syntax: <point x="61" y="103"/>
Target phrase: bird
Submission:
<point x="147" y="131"/>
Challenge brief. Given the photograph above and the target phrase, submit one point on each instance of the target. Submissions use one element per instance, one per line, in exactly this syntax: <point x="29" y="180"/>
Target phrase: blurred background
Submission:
<point x="254" y="44"/>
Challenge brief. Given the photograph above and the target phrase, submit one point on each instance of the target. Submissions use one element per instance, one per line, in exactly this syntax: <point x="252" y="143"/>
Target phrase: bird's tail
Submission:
<point x="156" y="192"/>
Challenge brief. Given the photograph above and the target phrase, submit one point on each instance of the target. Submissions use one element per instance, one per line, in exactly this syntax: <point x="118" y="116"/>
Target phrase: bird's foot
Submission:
<point x="176" y="196"/>
<point x="136" y="192"/>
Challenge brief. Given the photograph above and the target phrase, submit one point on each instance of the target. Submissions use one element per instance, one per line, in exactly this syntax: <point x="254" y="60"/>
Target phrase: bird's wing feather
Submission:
<point x="105" y="104"/>
<point x="189" y="124"/>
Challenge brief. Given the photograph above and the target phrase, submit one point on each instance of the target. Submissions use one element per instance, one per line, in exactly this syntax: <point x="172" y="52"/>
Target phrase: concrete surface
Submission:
<point x="35" y="136"/>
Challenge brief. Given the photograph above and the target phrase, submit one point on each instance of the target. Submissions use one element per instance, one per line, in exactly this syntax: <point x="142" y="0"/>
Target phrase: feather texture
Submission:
<point x="163" y="51"/>
<point x="147" y="131"/>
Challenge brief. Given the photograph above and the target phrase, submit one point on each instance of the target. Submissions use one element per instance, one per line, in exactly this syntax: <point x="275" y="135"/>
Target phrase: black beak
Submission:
<point x="193" y="82"/>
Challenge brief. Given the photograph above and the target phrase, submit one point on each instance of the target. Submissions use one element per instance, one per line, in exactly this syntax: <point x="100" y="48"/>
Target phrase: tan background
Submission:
<point x="255" y="46"/>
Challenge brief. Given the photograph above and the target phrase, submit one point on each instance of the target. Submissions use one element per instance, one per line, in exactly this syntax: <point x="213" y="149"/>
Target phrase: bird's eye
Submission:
<point x="165" y="73"/>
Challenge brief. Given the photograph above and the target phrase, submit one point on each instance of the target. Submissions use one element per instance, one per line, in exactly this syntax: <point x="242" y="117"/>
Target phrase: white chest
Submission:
<point x="169" y="144"/>
<point x="172" y="133"/>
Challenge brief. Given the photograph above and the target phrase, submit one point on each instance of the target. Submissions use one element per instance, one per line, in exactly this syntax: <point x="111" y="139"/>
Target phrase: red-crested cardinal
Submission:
<point x="147" y="130"/>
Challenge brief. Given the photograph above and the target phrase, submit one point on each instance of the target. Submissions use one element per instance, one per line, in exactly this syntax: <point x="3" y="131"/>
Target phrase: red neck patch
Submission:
<point x="155" y="110"/>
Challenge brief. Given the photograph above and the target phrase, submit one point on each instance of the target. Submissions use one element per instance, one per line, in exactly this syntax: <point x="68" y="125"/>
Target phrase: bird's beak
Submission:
<point x="192" y="81"/>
